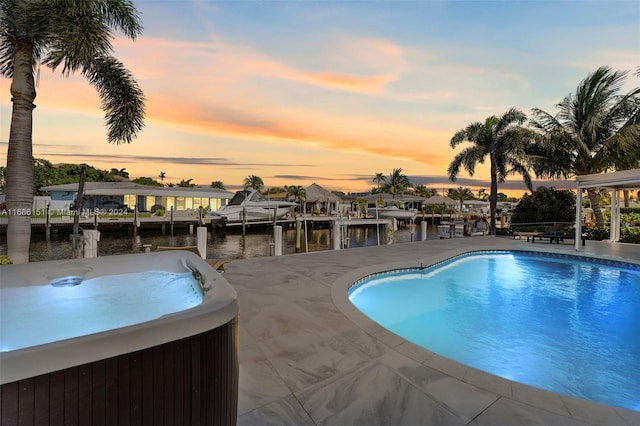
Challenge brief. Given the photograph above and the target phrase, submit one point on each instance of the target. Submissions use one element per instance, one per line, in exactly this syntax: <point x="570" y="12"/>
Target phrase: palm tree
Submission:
<point x="162" y="175"/>
<point x="379" y="179"/>
<point x="423" y="191"/>
<point x="397" y="182"/>
<point x="504" y="142"/>
<point x="297" y="192"/>
<point x="461" y="194"/>
<point x="76" y="35"/>
<point x="186" y="183"/>
<point x="595" y="130"/>
<point x="255" y="182"/>
<point x="218" y="184"/>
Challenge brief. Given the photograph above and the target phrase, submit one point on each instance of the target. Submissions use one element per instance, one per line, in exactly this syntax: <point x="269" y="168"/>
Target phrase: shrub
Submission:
<point x="4" y="260"/>
<point x="630" y="235"/>
<point x="597" y="233"/>
<point x="545" y="205"/>
<point x="160" y="212"/>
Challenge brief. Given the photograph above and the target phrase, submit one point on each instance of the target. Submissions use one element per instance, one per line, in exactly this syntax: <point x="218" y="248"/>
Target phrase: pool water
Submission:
<point x="35" y="315"/>
<point x="565" y="324"/>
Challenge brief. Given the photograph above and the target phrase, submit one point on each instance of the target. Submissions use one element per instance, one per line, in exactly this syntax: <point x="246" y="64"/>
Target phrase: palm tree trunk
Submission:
<point x="19" y="156"/>
<point x="594" y="200"/>
<point x="493" y="197"/>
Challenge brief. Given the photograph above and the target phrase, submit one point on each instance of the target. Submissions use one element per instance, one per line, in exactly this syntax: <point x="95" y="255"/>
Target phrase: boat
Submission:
<point x="479" y="227"/>
<point x="456" y="229"/>
<point x="250" y="205"/>
<point x="392" y="212"/>
<point x="451" y="229"/>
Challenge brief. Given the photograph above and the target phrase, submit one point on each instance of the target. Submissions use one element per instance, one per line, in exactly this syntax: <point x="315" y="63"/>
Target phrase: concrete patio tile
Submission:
<point x="266" y="316"/>
<point x="508" y="412"/>
<point x="387" y="337"/>
<point x="413" y="351"/>
<point x="593" y="413"/>
<point x="539" y="397"/>
<point x="488" y="381"/>
<point x="631" y="417"/>
<point x="462" y="399"/>
<point x="305" y="359"/>
<point x="348" y="400"/>
<point x="259" y="384"/>
<point x="446" y="366"/>
<point x="285" y="411"/>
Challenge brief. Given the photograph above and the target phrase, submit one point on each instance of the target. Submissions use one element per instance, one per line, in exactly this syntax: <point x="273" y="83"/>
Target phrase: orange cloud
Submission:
<point x="225" y="94"/>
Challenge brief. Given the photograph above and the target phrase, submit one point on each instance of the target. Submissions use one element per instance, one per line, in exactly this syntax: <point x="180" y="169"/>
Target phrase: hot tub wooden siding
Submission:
<point x="191" y="381"/>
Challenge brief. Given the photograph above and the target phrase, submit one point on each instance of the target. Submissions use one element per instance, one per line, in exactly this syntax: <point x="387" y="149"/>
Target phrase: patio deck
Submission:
<point x="308" y="357"/>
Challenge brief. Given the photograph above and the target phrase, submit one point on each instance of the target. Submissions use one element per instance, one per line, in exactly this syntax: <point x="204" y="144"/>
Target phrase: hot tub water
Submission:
<point x="35" y="315"/>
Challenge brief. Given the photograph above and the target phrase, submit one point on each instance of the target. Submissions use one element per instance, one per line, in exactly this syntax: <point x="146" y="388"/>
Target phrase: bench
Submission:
<point x="557" y="237"/>
<point x="529" y="235"/>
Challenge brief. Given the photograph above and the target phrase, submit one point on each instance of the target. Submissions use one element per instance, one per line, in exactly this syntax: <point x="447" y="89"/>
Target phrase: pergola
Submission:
<point x="615" y="181"/>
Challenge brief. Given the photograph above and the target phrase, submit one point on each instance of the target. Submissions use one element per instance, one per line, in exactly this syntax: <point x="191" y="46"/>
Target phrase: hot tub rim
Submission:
<point x="219" y="306"/>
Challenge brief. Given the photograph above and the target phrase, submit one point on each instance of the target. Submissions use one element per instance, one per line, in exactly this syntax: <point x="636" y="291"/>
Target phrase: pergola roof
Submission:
<point x="624" y="179"/>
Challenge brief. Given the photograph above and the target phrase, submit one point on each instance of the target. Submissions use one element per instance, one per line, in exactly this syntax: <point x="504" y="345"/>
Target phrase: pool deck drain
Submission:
<point x="309" y="357"/>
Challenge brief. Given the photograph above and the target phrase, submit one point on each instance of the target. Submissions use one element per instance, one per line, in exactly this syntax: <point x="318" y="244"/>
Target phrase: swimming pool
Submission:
<point x="566" y="324"/>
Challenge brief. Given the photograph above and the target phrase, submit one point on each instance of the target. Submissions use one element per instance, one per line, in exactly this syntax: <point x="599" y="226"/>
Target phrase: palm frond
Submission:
<point x="121" y="97"/>
<point x="80" y="30"/>
<point x="470" y="133"/>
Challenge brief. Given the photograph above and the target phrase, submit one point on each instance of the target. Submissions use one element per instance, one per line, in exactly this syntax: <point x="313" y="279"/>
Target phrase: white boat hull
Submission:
<point x="249" y="205"/>
<point x="395" y="213"/>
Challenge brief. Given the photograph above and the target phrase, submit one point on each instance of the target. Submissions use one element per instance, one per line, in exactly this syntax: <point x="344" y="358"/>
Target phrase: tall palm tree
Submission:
<point x="253" y="181"/>
<point x="77" y="36"/>
<point x="506" y="144"/>
<point x="595" y="129"/>
<point x="162" y="175"/>
<point x="397" y="182"/>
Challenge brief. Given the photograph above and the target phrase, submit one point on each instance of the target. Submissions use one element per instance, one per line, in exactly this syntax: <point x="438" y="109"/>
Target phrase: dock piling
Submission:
<point x="277" y="240"/>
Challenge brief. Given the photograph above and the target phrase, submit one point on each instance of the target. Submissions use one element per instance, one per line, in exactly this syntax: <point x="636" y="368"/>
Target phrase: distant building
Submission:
<point x="99" y="195"/>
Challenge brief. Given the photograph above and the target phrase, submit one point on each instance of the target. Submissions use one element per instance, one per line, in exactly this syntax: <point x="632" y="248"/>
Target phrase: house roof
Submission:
<point x="391" y="197"/>
<point x="126" y="188"/>
<point x="315" y="192"/>
<point x="439" y="199"/>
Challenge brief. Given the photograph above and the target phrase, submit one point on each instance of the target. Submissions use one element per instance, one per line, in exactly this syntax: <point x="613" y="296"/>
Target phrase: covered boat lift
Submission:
<point x="615" y="181"/>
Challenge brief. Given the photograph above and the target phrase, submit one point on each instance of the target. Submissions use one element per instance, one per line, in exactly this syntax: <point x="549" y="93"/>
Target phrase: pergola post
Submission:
<point x="614" y="229"/>
<point x="578" y="239"/>
<point x="614" y="181"/>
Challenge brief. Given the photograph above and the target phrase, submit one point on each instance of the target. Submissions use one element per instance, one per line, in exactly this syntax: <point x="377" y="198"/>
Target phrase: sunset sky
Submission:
<point x="330" y="92"/>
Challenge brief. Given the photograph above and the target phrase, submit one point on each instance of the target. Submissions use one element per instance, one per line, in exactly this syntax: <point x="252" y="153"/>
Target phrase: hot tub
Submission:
<point x="111" y="350"/>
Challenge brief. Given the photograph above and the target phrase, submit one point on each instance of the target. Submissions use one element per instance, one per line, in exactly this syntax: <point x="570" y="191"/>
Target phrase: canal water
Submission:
<point x="256" y="242"/>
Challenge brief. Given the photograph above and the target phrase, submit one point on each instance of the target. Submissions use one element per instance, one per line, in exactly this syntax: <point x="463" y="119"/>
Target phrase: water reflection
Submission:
<point x="234" y="245"/>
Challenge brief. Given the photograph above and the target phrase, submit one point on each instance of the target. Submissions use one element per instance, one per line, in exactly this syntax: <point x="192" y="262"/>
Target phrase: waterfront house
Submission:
<point x="114" y="195"/>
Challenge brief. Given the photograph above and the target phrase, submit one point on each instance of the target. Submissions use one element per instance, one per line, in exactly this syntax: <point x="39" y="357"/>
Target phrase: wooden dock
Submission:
<point x="132" y="223"/>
